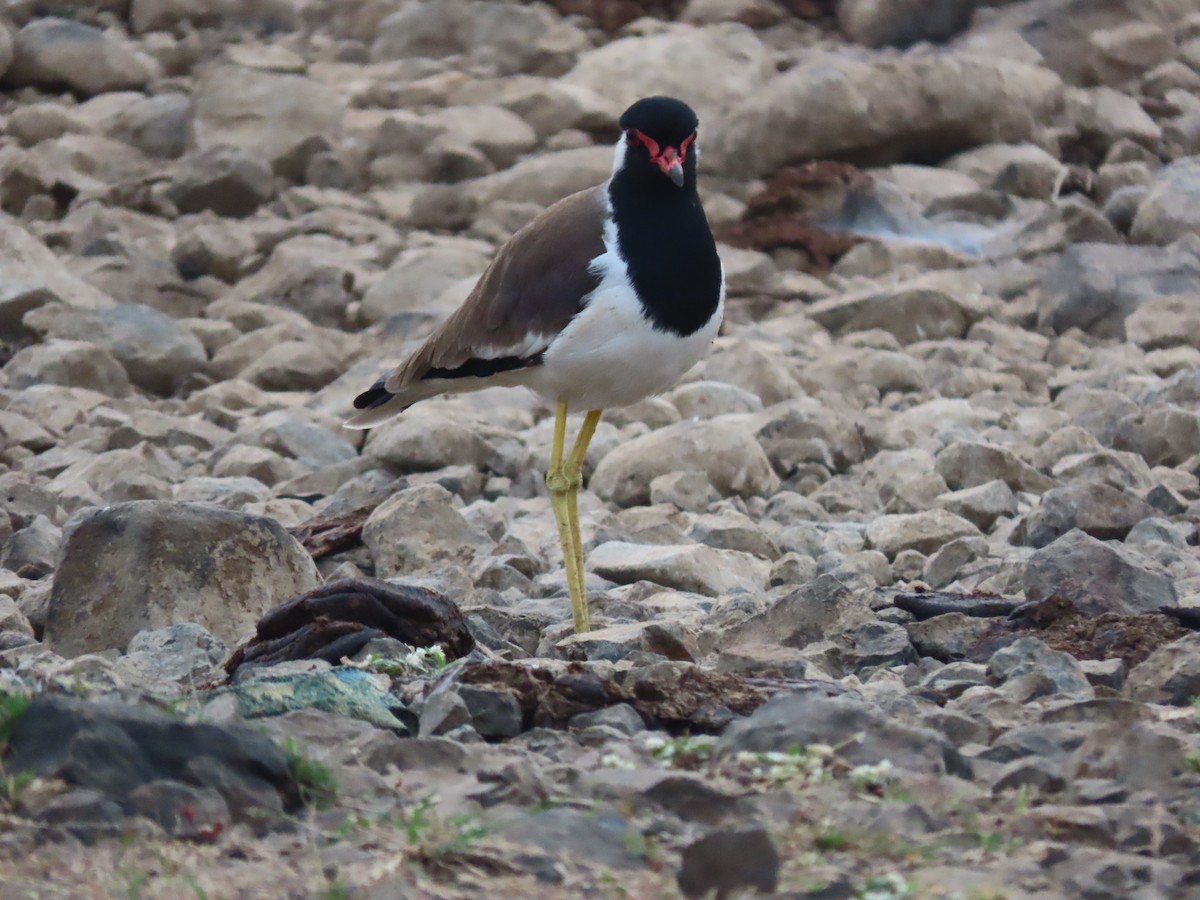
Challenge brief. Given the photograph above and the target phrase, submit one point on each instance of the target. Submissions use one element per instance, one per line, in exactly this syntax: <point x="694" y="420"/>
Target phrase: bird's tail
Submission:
<point x="376" y="405"/>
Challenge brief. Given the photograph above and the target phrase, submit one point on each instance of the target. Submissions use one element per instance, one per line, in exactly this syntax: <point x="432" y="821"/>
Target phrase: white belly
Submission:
<point x="610" y="355"/>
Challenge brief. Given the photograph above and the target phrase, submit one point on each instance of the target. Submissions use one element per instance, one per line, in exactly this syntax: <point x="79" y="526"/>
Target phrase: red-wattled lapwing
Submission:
<point x="607" y="297"/>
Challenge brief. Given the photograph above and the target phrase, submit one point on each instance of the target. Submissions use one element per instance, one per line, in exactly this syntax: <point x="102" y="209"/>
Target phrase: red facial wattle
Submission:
<point x="669" y="159"/>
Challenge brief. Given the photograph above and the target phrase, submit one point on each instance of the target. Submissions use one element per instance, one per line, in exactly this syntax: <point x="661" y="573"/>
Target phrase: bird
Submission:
<point x="605" y="298"/>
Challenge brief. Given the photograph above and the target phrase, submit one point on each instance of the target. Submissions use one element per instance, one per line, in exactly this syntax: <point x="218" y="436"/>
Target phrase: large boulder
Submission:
<point x="882" y="110"/>
<point x="55" y="53"/>
<point x="151" y="564"/>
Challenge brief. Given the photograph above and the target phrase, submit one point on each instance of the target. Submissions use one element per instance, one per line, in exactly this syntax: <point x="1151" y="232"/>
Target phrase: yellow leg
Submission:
<point x="574" y="473"/>
<point x="561" y="499"/>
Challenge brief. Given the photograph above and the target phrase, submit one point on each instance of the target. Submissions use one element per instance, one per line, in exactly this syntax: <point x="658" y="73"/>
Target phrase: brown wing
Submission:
<point x="534" y="286"/>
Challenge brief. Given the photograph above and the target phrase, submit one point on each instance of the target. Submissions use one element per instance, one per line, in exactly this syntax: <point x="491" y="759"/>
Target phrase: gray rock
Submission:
<point x="18" y="431"/>
<point x="224" y="179"/>
<point x="1098" y="509"/>
<point x="966" y="464"/>
<point x="1027" y="669"/>
<point x="737" y="66"/>
<point x="733" y="531"/>
<point x="444" y="711"/>
<point x="729" y="860"/>
<point x="231" y="493"/>
<point x="116" y="749"/>
<point x="862" y="734"/>
<point x="899" y="23"/>
<point x="180" y="15"/>
<point x="1024" y="170"/>
<point x="1162" y="436"/>
<point x="208" y="245"/>
<point x="1171" y="208"/>
<point x="443" y="538"/>
<point x="622" y="717"/>
<point x="158" y="352"/>
<point x="964" y="100"/>
<point x="33" y="276"/>
<point x="53" y="53"/>
<point x="1138" y="755"/>
<point x="817" y="611"/>
<point x="148" y="564"/>
<point x="70" y="364"/>
<point x="1094" y="287"/>
<point x="1043" y="775"/>
<point x="265" y="114"/>
<point x="598" y="835"/>
<point x="521" y="39"/>
<point x="424" y="440"/>
<point x="617" y="642"/>
<point x="767" y="660"/>
<point x="706" y="399"/>
<point x="730" y="456"/>
<point x="180" y="653"/>
<point x="1171" y="674"/>
<point x="494" y="713"/>
<point x="1113" y="467"/>
<point x="157" y="126"/>
<point x="792" y="569"/>
<point x="313" y="275"/>
<point x="929" y="307"/>
<point x="292" y="436"/>
<point x="1098" y="577"/>
<point x="982" y="504"/>
<point x="13" y="623"/>
<point x="875" y="644"/>
<point x="1168" y="321"/>
<point x="925" y="531"/>
<point x="263" y="465"/>
<point x="419" y="275"/>
<point x="77" y="809"/>
<point x="944" y="566"/>
<point x="688" y="490"/>
<point x="948" y="636"/>
<point x="6" y="51"/>
<point x="32" y="548"/>
<point x="685" y="567"/>
<point x="1108" y="673"/>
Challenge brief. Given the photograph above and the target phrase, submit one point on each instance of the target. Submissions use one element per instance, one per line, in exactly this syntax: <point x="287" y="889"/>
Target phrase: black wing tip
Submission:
<point x="375" y="397"/>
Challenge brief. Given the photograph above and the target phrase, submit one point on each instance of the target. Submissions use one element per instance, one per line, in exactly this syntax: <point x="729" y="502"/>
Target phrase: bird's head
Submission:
<point x="659" y="136"/>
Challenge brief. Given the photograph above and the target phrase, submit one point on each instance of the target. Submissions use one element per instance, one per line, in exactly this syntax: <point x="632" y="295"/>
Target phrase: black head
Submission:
<point x="660" y="135"/>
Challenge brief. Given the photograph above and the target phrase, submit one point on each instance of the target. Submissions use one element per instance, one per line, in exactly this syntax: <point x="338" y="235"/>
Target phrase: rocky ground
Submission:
<point x="894" y="596"/>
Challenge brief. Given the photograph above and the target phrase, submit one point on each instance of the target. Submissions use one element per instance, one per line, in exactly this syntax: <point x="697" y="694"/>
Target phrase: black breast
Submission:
<point x="666" y="243"/>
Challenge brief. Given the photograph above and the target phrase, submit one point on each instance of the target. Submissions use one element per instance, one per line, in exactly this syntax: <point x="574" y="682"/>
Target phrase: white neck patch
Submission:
<point x="619" y="154"/>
